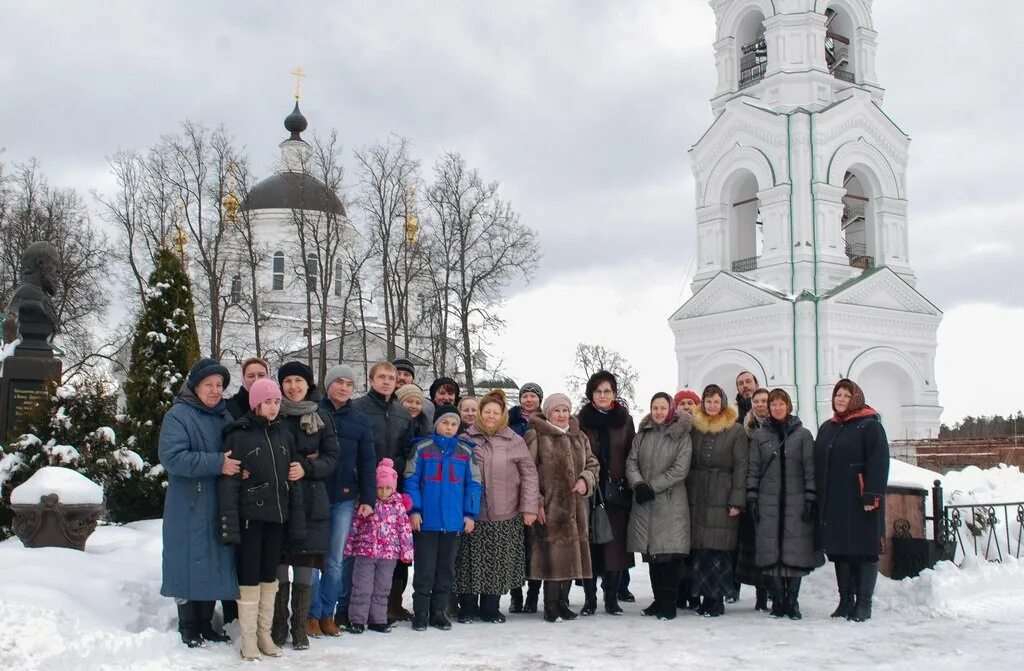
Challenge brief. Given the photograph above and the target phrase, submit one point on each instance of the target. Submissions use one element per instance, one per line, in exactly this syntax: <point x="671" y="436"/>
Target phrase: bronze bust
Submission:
<point x="31" y="314"/>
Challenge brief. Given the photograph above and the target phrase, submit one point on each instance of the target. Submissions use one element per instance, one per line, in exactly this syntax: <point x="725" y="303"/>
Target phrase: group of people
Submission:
<point x="302" y="512"/>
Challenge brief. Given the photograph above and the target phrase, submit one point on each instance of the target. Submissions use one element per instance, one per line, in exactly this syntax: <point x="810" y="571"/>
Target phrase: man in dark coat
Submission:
<point x="253" y="368"/>
<point x="393" y="433"/>
<point x="746" y="385"/>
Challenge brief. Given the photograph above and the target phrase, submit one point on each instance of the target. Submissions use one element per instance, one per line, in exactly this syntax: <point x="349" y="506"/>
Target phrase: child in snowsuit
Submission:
<point x="254" y="506"/>
<point x="443" y="481"/>
<point x="378" y="543"/>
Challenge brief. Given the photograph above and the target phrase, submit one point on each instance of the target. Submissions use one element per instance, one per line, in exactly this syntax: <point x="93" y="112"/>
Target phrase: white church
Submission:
<point x="803" y="269"/>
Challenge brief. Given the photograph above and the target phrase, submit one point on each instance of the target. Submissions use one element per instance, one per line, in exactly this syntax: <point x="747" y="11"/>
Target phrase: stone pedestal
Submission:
<point x="23" y="383"/>
<point x="51" y="524"/>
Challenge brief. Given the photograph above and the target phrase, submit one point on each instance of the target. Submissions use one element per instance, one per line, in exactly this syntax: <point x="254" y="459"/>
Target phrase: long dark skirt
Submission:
<point x="712" y="573"/>
<point x="491" y="559"/>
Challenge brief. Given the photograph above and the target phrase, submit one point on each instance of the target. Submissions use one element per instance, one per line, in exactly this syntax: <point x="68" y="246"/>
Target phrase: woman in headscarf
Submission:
<point x="609" y="428"/>
<point x="851" y="458"/>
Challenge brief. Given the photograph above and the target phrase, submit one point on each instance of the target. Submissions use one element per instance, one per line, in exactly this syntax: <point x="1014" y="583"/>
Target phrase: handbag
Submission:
<point x="600" y="525"/>
<point x="617" y="494"/>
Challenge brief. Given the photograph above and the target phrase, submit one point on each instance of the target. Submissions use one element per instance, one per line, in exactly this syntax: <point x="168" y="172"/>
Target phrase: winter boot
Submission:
<point x="552" y="595"/>
<point x="714" y="607"/>
<point x="248" y="619"/>
<point x="230" y="610"/>
<point x="469" y="609"/>
<point x="490" y="609"/>
<point x="778" y="597"/>
<point x="439" y="620"/>
<point x="589" y="597"/>
<point x="847" y="589"/>
<point x="867" y="576"/>
<point x="265" y="619"/>
<point x="760" y="598"/>
<point x="611" y="593"/>
<point x="703" y="603"/>
<point x="300" y="621"/>
<point x="327" y="627"/>
<point x="516" y="597"/>
<point x="532" y="593"/>
<point x="279" y="630"/>
<point x="622" y="593"/>
<point x="396" y="612"/>
<point x="341" y="618"/>
<point x="566" y="613"/>
<point x="792" y="598"/>
<point x="188" y="624"/>
<point x="204" y="610"/>
<point x="381" y="628"/>
<point x="420" y="621"/>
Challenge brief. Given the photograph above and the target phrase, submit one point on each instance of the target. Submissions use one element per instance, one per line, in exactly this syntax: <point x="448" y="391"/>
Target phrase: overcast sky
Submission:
<point x="584" y="111"/>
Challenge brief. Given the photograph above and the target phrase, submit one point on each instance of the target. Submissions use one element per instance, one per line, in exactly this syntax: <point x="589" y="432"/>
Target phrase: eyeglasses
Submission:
<point x="603" y="392"/>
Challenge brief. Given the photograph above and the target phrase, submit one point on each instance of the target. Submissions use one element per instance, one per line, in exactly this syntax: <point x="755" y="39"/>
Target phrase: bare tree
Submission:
<point x="483" y="247"/>
<point x="31" y="210"/>
<point x="592" y="358"/>
<point x="253" y="253"/>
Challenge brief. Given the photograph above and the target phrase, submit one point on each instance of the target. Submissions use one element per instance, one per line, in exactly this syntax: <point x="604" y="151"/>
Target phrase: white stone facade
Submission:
<point x="803" y="271"/>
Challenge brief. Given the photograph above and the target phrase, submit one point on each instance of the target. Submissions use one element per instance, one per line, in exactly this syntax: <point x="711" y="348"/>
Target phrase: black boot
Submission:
<point x="420" y="621"/>
<point x="564" y="611"/>
<point x="589" y="597"/>
<point x="778" y="597"/>
<point x="760" y="599"/>
<point x="439" y="620"/>
<point x="490" y="609"/>
<point x="611" y="593"/>
<point x="714" y="607"/>
<point x="188" y="624"/>
<point x="516" y="597"/>
<point x="623" y="593"/>
<point x="206" y="630"/>
<point x="279" y="628"/>
<point x="793" y="598"/>
<point x="552" y="594"/>
<point x="302" y="595"/>
<point x="702" y="605"/>
<point x="667" y="592"/>
<point x="847" y="589"/>
<point x="867" y="576"/>
<point x="230" y="610"/>
<point x="469" y="608"/>
<point x="532" y="593"/>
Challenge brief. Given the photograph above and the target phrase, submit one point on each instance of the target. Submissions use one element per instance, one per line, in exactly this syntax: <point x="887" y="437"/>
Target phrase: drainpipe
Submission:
<point x="792" y="253"/>
<point x="814" y="247"/>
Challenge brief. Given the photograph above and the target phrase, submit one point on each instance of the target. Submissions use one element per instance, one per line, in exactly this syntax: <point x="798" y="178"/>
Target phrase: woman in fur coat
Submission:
<point x="717" y="490"/>
<point x="567" y="472"/>
<point x="659" y="524"/>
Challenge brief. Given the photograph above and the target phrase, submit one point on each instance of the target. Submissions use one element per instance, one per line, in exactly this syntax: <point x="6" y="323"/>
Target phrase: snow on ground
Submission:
<point x="101" y="609"/>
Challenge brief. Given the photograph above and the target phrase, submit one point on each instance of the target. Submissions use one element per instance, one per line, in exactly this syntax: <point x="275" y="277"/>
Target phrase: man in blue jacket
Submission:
<point x="354" y="476"/>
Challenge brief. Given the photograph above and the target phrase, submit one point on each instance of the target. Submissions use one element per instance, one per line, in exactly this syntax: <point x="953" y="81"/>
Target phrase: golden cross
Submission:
<point x="298" y="74"/>
<point x="179" y="242"/>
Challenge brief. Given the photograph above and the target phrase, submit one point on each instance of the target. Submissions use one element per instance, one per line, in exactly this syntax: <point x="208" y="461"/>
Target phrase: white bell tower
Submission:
<point x="803" y="271"/>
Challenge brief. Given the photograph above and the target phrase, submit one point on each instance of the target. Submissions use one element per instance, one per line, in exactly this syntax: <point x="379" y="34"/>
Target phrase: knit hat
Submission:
<point x="203" y="369"/>
<point x="686" y="393"/>
<point x="555" y="401"/>
<point x="401" y="363"/>
<point x="263" y="389"/>
<point x="296" y="368"/>
<point x="257" y="360"/>
<point x="446" y="411"/>
<point x="531" y="388"/>
<point x="441" y="382"/>
<point x="408" y="391"/>
<point x="387" y="476"/>
<point x="339" y="371"/>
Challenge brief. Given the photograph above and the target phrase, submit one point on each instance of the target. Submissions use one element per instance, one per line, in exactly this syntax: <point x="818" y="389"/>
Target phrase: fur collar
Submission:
<point x="717" y="424"/>
<point x="680" y="425"/>
<point x="751" y="423"/>
<point x="592" y="418"/>
<point x="540" y="424"/>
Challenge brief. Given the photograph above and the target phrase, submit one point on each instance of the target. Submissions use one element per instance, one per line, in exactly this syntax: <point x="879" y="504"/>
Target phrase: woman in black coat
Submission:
<point x="317" y="451"/>
<point x="851" y="456"/>
<point x="782" y="503"/>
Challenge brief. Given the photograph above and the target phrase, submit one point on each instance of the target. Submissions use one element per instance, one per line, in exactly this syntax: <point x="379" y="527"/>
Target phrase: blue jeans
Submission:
<point x="327" y="588"/>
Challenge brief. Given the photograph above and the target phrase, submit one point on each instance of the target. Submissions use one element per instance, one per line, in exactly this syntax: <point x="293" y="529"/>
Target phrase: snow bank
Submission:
<point x="1000" y="484"/>
<point x="976" y="589"/>
<point x="902" y="474"/>
<point x="70" y="486"/>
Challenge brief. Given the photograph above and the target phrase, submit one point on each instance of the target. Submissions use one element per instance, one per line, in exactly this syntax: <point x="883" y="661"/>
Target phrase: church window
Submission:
<point x="339" y="282"/>
<point x="838" y="52"/>
<point x="855" y="225"/>
<point x="746" y="224"/>
<point x="236" y="289"/>
<point x="278" y="272"/>
<point x="753" y="56"/>
<point x="312" y="270"/>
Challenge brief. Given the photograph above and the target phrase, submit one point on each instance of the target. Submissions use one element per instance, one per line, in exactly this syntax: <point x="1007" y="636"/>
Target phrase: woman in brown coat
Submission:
<point x="609" y="428"/>
<point x="568" y="474"/>
<point x="717" y="490"/>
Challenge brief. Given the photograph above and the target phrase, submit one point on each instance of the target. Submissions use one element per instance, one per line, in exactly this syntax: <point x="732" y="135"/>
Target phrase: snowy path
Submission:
<point x="102" y="610"/>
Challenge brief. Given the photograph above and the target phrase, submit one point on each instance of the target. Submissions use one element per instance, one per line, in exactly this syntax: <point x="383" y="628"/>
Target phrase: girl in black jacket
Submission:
<point x="255" y="504"/>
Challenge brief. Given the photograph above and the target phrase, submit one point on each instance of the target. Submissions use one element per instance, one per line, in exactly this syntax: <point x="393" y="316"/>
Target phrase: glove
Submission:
<point x="753" y="511"/>
<point x="810" y="511"/>
<point x="643" y="493"/>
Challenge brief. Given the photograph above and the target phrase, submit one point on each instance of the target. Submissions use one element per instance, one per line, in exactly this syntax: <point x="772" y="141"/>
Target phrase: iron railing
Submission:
<point x="989" y="531"/>
<point x="858" y="255"/>
<point x="744" y="265"/>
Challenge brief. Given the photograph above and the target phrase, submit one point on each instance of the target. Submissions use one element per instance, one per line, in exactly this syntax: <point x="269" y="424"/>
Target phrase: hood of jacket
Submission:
<point x="751" y="423"/>
<point x="717" y="424"/>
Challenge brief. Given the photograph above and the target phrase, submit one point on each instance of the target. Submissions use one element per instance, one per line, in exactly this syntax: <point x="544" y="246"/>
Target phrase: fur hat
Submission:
<point x="339" y="371"/>
<point x="263" y="389"/>
<point x="296" y="368"/>
<point x="554" y="401"/>
<point x="387" y="476"/>
<point x="408" y="391"/>
<point x="203" y="369"/>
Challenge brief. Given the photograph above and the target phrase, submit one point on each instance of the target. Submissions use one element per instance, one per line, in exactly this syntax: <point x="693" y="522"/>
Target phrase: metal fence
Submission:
<point x="989" y="531"/>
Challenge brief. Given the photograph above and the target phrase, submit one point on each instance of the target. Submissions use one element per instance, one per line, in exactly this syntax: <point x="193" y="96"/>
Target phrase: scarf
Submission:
<point x="306" y="411"/>
<point x="857" y="408"/>
<point x="601" y="422"/>
<point x="559" y="429"/>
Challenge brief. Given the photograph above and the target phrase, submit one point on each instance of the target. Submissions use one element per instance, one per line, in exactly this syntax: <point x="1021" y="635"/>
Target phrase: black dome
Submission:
<point x="295" y="122"/>
<point x="293" y="191"/>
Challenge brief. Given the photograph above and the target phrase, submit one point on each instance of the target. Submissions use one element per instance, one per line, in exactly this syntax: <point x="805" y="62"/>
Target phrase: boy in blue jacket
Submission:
<point x="443" y="481"/>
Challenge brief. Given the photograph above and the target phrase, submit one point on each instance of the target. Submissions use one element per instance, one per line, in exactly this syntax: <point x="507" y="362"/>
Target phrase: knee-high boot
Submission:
<point x="792" y="598"/>
<point x="589" y="597"/>
<point x="279" y="629"/>
<point x="778" y="597"/>
<point x="611" y="592"/>
<point x="867" y="576"/>
<point x="847" y="589"/>
<point x="532" y="592"/>
<point x="552" y="592"/>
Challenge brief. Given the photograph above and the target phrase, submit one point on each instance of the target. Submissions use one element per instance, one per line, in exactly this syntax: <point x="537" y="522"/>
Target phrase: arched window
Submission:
<point x="746" y="231"/>
<point x="312" y="270"/>
<point x="753" y="49"/>
<point x="856" y="226"/>
<point x="236" y="289"/>
<point x="278" y="272"/>
<point x="838" y="44"/>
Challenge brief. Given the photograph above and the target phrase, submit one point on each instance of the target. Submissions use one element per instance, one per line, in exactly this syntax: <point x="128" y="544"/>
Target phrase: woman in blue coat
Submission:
<point x="197" y="569"/>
